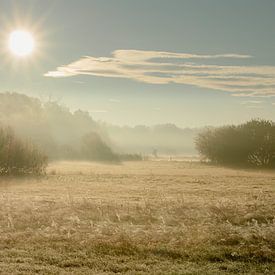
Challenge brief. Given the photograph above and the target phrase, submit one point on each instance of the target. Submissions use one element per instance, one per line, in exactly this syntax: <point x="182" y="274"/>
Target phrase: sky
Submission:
<point x="188" y="62"/>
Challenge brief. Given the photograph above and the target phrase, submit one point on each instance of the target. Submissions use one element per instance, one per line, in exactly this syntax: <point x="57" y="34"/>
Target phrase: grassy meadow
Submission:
<point x="149" y="217"/>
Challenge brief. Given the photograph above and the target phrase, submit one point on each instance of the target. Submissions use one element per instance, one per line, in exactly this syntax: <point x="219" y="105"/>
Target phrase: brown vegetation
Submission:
<point x="138" y="218"/>
<point x="249" y="144"/>
<point x="18" y="157"/>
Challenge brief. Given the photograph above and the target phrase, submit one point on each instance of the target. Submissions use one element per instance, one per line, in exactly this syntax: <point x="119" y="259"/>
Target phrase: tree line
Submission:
<point x="249" y="144"/>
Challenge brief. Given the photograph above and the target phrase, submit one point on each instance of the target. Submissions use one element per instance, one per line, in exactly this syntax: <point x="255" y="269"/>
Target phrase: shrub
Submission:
<point x="130" y="157"/>
<point x="93" y="148"/>
<point x="18" y="157"/>
<point x="252" y="143"/>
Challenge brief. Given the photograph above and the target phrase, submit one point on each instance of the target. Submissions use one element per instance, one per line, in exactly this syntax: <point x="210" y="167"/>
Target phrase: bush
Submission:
<point x="93" y="148"/>
<point x="130" y="157"/>
<point x="17" y="157"/>
<point x="252" y="143"/>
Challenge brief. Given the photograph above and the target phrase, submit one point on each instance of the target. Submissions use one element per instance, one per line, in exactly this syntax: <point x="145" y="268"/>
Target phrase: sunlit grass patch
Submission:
<point x="138" y="219"/>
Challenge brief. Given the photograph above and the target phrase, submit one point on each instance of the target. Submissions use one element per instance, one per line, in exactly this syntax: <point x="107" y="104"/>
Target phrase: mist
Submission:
<point x="62" y="134"/>
<point x="165" y="139"/>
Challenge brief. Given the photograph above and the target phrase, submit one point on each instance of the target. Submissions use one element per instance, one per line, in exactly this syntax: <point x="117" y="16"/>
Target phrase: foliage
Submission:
<point x="252" y="143"/>
<point x="18" y="157"/>
<point x="60" y="133"/>
<point x="93" y="148"/>
<point x="130" y="157"/>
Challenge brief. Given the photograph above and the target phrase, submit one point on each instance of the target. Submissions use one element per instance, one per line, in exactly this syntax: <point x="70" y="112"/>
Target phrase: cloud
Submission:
<point x="113" y="100"/>
<point x="157" y="67"/>
<point x="98" y="111"/>
<point x="254" y="107"/>
<point x="251" y="102"/>
<point x="79" y="82"/>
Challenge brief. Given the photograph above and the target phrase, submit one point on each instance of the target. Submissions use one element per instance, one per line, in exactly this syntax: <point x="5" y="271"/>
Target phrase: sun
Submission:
<point x="21" y="43"/>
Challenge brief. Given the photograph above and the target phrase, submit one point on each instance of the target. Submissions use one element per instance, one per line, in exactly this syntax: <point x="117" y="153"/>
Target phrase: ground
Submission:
<point x="149" y="217"/>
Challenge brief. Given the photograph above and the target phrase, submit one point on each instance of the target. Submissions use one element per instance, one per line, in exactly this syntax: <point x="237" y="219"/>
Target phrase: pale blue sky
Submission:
<point x="69" y="30"/>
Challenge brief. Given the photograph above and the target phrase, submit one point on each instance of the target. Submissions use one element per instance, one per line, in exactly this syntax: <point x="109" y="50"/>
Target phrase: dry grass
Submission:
<point x="138" y="218"/>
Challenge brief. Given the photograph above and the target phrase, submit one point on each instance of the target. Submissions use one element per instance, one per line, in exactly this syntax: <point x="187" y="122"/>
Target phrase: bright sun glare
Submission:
<point x="21" y="43"/>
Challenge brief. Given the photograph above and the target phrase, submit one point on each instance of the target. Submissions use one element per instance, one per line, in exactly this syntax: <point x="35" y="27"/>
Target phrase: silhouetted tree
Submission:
<point x="93" y="148"/>
<point x="261" y="141"/>
<point x="18" y="157"/>
<point x="252" y="143"/>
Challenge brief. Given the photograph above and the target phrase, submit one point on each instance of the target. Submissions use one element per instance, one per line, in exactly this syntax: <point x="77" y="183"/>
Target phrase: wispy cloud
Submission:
<point x="113" y="100"/>
<point x="251" y="102"/>
<point x="78" y="82"/>
<point x="158" y="67"/>
<point x="98" y="111"/>
<point x="254" y="107"/>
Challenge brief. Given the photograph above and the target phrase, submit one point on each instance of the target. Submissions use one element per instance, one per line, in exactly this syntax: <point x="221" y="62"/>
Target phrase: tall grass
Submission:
<point x="138" y="218"/>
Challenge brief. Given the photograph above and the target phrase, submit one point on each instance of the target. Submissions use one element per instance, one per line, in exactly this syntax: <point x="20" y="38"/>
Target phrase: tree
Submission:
<point x="252" y="143"/>
<point x="93" y="148"/>
<point x="18" y="157"/>
<point x="261" y="137"/>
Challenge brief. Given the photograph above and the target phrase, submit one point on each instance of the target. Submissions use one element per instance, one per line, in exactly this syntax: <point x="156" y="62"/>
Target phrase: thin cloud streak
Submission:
<point x="254" y="107"/>
<point x="156" y="67"/>
<point x="113" y="100"/>
<point x="251" y="102"/>
<point x="98" y="111"/>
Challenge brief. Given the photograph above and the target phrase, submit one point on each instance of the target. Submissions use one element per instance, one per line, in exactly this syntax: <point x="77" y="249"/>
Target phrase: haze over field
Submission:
<point x="133" y="63"/>
<point x="59" y="131"/>
<point x="137" y="137"/>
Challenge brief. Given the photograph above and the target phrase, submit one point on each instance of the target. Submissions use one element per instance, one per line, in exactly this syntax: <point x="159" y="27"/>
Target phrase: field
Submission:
<point x="150" y="217"/>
